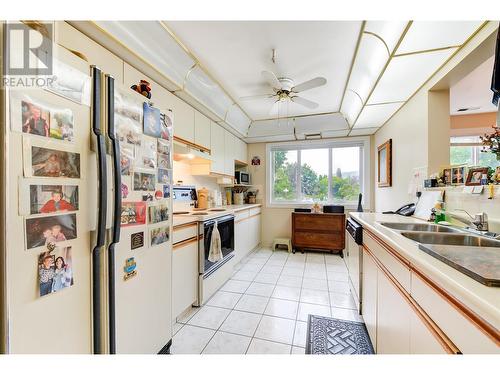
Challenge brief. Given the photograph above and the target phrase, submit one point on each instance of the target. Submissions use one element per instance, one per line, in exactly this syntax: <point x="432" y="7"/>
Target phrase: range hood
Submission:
<point x="190" y="154"/>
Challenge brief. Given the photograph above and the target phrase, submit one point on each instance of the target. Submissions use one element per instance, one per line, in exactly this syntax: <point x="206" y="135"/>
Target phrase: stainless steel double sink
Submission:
<point x="474" y="255"/>
<point x="440" y="235"/>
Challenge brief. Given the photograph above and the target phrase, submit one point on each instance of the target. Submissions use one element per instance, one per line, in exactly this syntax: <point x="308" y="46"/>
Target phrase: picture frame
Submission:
<point x="446" y="173"/>
<point x="474" y="176"/>
<point x="384" y="160"/>
<point x="458" y="175"/>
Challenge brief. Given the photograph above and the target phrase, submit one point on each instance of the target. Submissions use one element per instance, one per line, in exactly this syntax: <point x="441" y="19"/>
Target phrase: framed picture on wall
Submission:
<point x="385" y="164"/>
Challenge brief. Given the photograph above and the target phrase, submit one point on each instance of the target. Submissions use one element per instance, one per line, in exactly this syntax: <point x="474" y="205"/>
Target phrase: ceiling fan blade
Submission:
<point x="307" y="85"/>
<point x="256" y="97"/>
<point x="271" y="79"/>
<point x="305" y="102"/>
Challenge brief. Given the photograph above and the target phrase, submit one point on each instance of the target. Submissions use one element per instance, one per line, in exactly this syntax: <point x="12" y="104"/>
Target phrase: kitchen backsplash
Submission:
<point x="456" y="198"/>
<point x="182" y="172"/>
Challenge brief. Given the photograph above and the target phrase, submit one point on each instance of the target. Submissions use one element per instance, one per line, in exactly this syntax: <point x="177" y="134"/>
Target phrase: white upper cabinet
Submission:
<point x="202" y="130"/>
<point x="229" y="153"/>
<point x="70" y="38"/>
<point x="241" y="151"/>
<point x="183" y="120"/>
<point x="217" y="148"/>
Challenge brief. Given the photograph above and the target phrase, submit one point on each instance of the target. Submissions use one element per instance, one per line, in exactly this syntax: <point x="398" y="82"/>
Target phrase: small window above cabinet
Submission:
<point x="202" y="130"/>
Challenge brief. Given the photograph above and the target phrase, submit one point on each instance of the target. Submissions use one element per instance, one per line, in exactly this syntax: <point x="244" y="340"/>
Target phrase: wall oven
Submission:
<point x="208" y="269"/>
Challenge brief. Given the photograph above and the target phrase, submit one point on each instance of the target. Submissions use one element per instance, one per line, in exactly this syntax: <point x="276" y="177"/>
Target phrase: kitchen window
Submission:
<point x="467" y="150"/>
<point x="327" y="172"/>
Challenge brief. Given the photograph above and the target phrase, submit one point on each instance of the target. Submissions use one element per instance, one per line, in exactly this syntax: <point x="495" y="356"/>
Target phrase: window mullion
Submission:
<point x="298" y="181"/>
<point x="330" y="173"/>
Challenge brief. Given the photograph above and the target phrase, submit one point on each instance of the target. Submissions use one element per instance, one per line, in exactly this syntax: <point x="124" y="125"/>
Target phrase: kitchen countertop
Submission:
<point x="185" y="219"/>
<point x="483" y="300"/>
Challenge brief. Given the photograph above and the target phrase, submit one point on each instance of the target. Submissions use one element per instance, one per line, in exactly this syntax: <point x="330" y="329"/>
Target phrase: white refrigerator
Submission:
<point x="86" y="218"/>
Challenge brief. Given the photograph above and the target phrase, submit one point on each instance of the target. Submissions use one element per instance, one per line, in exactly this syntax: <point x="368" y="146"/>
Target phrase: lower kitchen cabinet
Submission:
<point x="246" y="232"/>
<point x="422" y="341"/>
<point x="396" y="322"/>
<point x="184" y="275"/>
<point x="240" y="239"/>
<point x="369" y="297"/>
<point x="393" y="319"/>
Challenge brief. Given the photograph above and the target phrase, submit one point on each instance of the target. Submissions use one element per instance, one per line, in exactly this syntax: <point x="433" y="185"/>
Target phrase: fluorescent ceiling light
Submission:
<point x="389" y="31"/>
<point x="271" y="128"/>
<point x="425" y="35"/>
<point x="351" y="106"/>
<point x="405" y="74"/>
<point x="376" y="115"/>
<point x="373" y="53"/>
<point x="320" y="123"/>
<point x="237" y="119"/>
<point x="150" y="41"/>
<point x="207" y="92"/>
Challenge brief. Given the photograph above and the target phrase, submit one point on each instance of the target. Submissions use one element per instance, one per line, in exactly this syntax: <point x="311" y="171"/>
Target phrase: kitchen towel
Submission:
<point x="215" y="253"/>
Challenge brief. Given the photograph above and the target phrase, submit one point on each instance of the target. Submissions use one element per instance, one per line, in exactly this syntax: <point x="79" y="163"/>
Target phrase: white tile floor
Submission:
<point x="264" y="308"/>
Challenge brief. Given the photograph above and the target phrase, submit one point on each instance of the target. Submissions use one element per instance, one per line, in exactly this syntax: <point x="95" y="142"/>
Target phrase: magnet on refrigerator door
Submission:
<point x="133" y="213"/>
<point x="136" y="240"/>
<point x="130" y="269"/>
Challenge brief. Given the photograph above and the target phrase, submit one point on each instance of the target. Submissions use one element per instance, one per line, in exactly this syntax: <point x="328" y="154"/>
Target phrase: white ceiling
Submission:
<point x="473" y="91"/>
<point x="213" y="64"/>
<point x="236" y="53"/>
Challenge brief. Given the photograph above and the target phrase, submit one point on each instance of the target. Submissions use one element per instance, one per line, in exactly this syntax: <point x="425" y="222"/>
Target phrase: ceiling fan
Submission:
<point x="285" y="90"/>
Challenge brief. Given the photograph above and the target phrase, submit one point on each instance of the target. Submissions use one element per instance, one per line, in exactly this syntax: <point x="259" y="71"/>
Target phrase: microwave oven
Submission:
<point x="242" y="178"/>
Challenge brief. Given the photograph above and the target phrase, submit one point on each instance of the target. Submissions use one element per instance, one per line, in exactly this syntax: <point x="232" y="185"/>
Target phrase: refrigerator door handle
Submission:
<point x="102" y="207"/>
<point x="117" y="197"/>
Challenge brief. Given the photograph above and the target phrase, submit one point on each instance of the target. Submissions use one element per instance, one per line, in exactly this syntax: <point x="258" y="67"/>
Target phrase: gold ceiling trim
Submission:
<point x="389" y="102"/>
<point x="427" y="50"/>
<point x="381" y="39"/>
<point x="201" y="66"/>
<point x="435" y="72"/>
<point x="360" y="36"/>
<point x="112" y="37"/>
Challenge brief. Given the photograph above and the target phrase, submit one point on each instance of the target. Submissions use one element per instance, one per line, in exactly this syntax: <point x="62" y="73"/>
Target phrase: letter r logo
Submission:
<point x="28" y="51"/>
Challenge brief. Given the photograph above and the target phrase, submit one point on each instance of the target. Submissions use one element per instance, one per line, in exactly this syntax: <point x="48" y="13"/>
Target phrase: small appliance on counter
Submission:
<point x="202" y="198"/>
<point x="242" y="178"/>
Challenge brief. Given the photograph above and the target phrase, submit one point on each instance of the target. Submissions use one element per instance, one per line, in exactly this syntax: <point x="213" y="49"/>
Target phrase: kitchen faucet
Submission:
<point x="479" y="222"/>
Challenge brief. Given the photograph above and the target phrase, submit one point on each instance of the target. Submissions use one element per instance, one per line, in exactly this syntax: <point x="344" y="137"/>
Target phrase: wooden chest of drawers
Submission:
<point x="318" y="231"/>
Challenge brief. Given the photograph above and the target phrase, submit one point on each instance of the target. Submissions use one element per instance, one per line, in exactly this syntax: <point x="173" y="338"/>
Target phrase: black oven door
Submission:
<point x="225" y="225"/>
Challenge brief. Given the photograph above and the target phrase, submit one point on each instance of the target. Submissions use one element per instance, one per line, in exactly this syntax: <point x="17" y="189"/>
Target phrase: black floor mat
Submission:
<point x="336" y="336"/>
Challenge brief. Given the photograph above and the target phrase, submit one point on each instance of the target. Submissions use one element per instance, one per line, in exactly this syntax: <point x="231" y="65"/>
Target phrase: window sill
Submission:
<point x="348" y="207"/>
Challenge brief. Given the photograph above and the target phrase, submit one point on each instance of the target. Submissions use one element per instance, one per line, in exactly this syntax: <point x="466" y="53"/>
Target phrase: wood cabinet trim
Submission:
<point x="178" y="245"/>
<point x="184" y="226"/>
<point x="434" y="329"/>
<point x="194" y="145"/>
<point x="488" y="329"/>
<point x="389" y="249"/>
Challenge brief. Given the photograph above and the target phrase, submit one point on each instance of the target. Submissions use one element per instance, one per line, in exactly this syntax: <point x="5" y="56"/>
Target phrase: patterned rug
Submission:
<point x="336" y="336"/>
